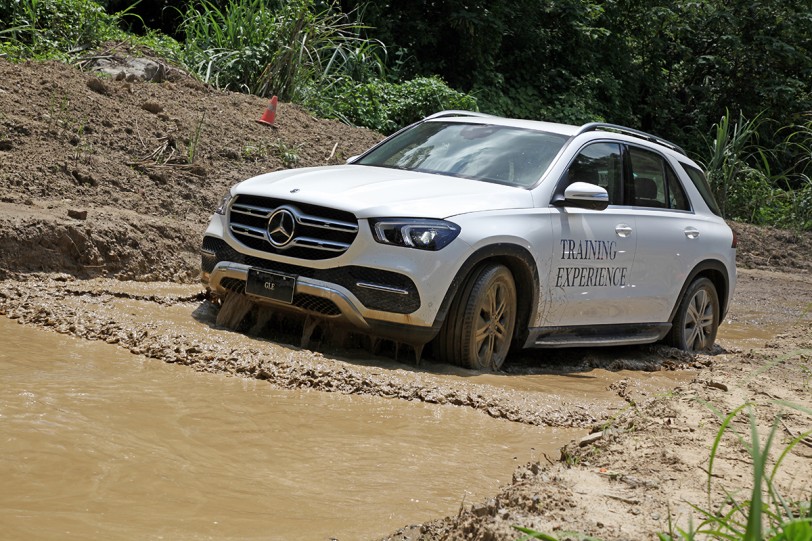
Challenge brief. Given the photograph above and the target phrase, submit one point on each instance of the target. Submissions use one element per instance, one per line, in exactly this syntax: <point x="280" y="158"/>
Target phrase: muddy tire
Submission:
<point x="479" y="327"/>
<point x="697" y="319"/>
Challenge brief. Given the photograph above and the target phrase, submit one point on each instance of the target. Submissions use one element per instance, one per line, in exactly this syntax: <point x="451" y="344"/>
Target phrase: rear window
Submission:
<point x="500" y="154"/>
<point x="701" y="183"/>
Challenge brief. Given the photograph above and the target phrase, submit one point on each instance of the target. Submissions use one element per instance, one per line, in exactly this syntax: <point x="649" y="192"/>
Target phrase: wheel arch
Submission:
<point x="716" y="272"/>
<point x="520" y="263"/>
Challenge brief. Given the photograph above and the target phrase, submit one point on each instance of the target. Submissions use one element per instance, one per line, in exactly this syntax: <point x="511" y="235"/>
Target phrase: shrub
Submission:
<point x="384" y="106"/>
<point x="55" y="27"/>
<point x="63" y="29"/>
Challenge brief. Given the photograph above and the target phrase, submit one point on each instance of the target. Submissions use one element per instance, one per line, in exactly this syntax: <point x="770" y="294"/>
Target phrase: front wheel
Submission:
<point x="479" y="329"/>
<point x="697" y="319"/>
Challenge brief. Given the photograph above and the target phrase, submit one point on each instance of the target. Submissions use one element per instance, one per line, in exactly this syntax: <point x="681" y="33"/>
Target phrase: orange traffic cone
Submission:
<point x="269" y="115"/>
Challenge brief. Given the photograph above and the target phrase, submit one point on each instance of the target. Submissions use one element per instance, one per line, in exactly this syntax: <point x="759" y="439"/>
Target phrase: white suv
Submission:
<point x="477" y="233"/>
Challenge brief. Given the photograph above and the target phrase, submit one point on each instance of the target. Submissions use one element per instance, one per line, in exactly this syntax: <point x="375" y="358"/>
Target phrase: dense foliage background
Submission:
<point x="729" y="80"/>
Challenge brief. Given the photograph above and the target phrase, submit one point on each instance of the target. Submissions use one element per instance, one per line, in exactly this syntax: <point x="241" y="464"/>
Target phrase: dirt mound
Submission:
<point x="103" y="176"/>
<point x="772" y="249"/>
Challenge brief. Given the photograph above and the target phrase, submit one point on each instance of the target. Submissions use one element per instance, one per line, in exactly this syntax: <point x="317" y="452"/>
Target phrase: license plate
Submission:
<point x="271" y="285"/>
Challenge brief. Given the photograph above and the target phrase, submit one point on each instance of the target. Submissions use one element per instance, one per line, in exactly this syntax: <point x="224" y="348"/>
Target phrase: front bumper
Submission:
<point x="228" y="276"/>
<point x="378" y="302"/>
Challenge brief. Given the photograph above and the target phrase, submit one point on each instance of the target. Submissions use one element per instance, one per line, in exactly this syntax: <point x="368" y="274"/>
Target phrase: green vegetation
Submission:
<point x="53" y="28"/>
<point x="251" y="46"/>
<point x="64" y="29"/>
<point x="748" y="189"/>
<point x="386" y="106"/>
<point x="730" y="80"/>
<point x="310" y="54"/>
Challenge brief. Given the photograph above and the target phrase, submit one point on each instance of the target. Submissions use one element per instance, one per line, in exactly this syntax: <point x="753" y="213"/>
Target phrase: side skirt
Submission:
<point x="596" y="335"/>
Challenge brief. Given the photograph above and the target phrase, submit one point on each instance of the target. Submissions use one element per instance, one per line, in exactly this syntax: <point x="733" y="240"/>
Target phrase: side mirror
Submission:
<point x="583" y="195"/>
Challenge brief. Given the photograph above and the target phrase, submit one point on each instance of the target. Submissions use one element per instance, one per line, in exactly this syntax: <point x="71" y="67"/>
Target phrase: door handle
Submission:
<point x="691" y="232"/>
<point x="623" y="230"/>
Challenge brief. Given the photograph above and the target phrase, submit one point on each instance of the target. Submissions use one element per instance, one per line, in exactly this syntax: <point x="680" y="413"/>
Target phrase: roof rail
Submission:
<point x="595" y="126"/>
<point x="455" y="112"/>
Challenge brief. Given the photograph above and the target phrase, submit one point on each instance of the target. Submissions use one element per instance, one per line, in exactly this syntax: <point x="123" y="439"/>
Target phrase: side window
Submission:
<point x="654" y="183"/>
<point x="600" y="164"/>
<point x="698" y="178"/>
<point x="648" y="185"/>
<point x="676" y="194"/>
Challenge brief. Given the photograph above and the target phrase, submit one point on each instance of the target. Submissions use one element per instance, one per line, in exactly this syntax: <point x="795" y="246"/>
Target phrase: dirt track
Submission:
<point x="97" y="191"/>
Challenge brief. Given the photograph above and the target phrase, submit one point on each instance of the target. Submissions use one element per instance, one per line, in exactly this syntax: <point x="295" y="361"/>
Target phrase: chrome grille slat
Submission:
<point x="327" y="224"/>
<point x="255" y="232"/>
<point x="252" y="210"/>
<point x="318" y="244"/>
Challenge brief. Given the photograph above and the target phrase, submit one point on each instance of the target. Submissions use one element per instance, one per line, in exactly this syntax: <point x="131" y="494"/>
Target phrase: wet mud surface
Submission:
<point x="176" y="324"/>
<point x="642" y="412"/>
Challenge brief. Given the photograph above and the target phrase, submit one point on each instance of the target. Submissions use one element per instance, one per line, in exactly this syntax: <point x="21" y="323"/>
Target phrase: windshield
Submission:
<point x="501" y="154"/>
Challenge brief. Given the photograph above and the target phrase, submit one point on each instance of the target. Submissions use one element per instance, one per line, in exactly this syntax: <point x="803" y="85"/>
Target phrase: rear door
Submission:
<point x="671" y="238"/>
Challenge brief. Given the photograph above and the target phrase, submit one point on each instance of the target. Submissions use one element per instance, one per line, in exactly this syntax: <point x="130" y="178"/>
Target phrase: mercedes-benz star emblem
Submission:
<point x="281" y="227"/>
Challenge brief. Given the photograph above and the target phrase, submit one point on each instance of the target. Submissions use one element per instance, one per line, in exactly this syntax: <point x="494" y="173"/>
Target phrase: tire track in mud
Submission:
<point x="91" y="313"/>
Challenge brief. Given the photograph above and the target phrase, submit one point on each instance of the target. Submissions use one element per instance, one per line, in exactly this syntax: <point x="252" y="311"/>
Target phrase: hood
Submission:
<point x="370" y="192"/>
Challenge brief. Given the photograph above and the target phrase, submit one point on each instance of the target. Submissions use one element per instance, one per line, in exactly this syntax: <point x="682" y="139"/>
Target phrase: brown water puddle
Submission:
<point x="101" y="444"/>
<point x="557" y="383"/>
<point x="747" y="334"/>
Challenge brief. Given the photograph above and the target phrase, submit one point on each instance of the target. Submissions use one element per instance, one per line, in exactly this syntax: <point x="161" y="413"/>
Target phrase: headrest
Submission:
<point x="645" y="188"/>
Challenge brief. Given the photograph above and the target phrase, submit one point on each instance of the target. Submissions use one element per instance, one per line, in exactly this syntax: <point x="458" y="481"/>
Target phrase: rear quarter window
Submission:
<point x="701" y="183"/>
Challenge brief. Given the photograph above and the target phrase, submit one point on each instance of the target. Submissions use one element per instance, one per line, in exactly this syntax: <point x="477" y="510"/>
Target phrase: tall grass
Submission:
<point x="740" y="171"/>
<point x="267" y="49"/>
<point x="731" y="151"/>
<point x="40" y="27"/>
<point x="798" y="144"/>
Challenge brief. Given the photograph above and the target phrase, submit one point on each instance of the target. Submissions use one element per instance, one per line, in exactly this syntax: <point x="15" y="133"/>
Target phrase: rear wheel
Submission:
<point x="479" y="328"/>
<point x="697" y="318"/>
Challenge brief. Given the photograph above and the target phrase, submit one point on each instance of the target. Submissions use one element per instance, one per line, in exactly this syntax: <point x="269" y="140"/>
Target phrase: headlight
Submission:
<point x="223" y="206"/>
<point x="423" y="234"/>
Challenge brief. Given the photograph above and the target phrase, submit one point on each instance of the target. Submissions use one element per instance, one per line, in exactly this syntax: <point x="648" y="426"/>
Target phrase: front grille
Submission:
<point x="305" y="231"/>
<point x="380" y="290"/>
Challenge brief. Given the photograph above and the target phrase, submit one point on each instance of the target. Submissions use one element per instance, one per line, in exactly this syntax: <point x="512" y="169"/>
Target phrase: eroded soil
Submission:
<point x="104" y="194"/>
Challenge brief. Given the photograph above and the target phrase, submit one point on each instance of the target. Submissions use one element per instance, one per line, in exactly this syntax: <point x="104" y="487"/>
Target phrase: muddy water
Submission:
<point x="590" y="384"/>
<point x="745" y="335"/>
<point x="96" y="443"/>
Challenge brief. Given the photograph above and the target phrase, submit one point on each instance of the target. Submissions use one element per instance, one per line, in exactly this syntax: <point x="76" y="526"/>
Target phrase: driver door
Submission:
<point x="594" y="250"/>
